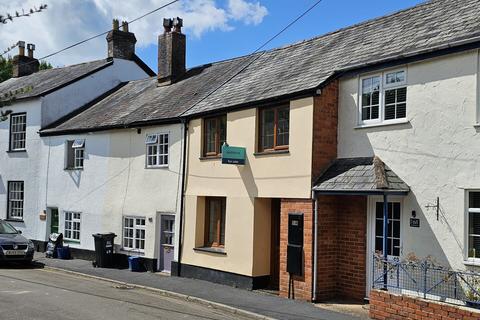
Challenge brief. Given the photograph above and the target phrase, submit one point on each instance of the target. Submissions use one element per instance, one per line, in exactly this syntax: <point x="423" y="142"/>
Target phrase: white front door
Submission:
<point x="375" y="232"/>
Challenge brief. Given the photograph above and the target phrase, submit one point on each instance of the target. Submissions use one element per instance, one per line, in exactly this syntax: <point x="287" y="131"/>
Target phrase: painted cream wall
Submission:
<point x="115" y="183"/>
<point x="435" y="153"/>
<point x="266" y="176"/>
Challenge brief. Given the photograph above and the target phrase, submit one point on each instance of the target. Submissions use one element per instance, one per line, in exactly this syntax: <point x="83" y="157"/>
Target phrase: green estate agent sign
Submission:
<point x="233" y="155"/>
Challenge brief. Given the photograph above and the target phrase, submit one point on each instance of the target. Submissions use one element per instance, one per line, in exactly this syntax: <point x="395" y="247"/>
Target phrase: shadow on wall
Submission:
<point x="423" y="242"/>
<point x="248" y="180"/>
<point x="3" y="189"/>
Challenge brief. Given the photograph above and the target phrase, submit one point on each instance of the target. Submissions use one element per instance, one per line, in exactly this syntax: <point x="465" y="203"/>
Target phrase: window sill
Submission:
<point x="71" y="241"/>
<point x="472" y="262"/>
<point x="133" y="252"/>
<point x="14" y="220"/>
<point x="17" y="151"/>
<point x="73" y="169"/>
<point x="381" y="124"/>
<point x="219" y="157"/>
<point x="219" y="251"/>
<point x="268" y="153"/>
<point x="157" y="167"/>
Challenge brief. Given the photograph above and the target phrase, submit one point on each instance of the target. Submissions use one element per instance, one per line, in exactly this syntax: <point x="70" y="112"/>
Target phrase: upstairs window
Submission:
<point x="383" y="97"/>
<point x="75" y="154"/>
<point x="15" y="200"/>
<point x="215" y="135"/>
<point x="474" y="224"/>
<point x="274" y="128"/>
<point x="18" y="131"/>
<point x="157" y="150"/>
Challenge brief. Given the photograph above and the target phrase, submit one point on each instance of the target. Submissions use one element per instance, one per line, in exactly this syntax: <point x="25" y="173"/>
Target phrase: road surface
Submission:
<point x="42" y="294"/>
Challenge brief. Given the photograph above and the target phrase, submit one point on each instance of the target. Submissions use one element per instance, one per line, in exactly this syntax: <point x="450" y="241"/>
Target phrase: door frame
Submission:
<point x="371" y="207"/>
<point x="160" y="238"/>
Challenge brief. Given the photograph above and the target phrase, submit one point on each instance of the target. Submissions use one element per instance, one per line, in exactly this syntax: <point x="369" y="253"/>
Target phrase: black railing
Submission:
<point x="427" y="280"/>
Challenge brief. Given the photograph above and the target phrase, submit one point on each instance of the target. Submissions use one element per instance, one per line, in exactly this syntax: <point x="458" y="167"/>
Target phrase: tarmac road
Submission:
<point x="42" y="294"/>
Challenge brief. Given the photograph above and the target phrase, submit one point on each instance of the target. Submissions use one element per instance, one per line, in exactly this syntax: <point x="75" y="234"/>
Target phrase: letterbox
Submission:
<point x="295" y="244"/>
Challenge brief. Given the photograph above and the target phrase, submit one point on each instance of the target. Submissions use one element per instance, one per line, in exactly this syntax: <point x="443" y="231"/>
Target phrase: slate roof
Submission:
<point x="360" y="175"/>
<point x="294" y="69"/>
<point x="44" y="81"/>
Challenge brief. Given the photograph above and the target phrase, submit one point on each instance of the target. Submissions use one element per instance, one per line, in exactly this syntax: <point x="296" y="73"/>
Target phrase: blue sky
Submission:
<point x="329" y="15"/>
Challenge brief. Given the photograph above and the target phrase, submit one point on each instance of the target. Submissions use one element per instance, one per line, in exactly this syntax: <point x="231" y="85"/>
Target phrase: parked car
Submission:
<point x="14" y="246"/>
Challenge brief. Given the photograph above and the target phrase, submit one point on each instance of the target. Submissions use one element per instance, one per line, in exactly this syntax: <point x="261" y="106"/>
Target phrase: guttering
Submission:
<point x="315" y="251"/>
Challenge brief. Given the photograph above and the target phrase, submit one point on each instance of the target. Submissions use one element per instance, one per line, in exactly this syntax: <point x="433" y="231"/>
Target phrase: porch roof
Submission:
<point x="366" y="175"/>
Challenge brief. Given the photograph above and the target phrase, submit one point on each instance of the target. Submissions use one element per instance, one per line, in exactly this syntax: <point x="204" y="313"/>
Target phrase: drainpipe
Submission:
<point x="315" y="251"/>
<point x="182" y="198"/>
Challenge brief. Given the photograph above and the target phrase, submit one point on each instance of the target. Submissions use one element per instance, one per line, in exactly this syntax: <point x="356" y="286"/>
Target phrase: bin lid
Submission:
<point x="104" y="235"/>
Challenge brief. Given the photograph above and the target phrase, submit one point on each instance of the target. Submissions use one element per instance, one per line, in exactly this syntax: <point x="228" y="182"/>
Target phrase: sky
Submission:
<point x="215" y="29"/>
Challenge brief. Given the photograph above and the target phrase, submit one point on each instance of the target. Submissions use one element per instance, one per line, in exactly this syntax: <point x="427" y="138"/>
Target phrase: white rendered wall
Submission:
<point x="115" y="183"/>
<point x="436" y="153"/>
<point x="65" y="100"/>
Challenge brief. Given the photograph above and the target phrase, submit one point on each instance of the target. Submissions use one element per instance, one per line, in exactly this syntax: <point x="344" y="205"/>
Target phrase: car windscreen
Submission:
<point x="5" y="228"/>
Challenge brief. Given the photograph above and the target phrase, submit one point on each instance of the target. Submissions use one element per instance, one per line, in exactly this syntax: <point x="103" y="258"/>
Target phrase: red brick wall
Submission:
<point x="385" y="305"/>
<point x="352" y="247"/>
<point x="342" y="230"/>
<point x="325" y="118"/>
<point x="303" y="284"/>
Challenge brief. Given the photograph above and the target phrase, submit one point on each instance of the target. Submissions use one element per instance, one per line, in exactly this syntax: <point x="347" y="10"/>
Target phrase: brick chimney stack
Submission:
<point x="171" y="52"/>
<point x="24" y="65"/>
<point x="121" y="43"/>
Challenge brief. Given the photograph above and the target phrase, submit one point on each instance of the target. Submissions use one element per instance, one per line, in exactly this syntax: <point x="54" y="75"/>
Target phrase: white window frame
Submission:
<point x="74" y="221"/>
<point x="78" y="147"/>
<point x="135" y="227"/>
<point x="20" y="199"/>
<point x="468" y="210"/>
<point x="151" y="142"/>
<point x="22" y="133"/>
<point x="383" y="87"/>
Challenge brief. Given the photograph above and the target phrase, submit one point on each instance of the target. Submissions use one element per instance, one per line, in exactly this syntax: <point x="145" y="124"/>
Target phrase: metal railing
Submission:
<point x="427" y="280"/>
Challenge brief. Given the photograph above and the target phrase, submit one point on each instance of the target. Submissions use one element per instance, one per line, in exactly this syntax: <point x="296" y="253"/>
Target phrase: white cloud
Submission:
<point x="66" y="22"/>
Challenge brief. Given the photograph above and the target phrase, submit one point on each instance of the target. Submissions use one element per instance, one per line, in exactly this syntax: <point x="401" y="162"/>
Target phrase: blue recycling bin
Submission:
<point x="134" y="264"/>
<point x="63" y="252"/>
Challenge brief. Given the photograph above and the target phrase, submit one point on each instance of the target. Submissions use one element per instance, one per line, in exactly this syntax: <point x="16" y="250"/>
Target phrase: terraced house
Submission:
<point x="38" y="100"/>
<point x="289" y="168"/>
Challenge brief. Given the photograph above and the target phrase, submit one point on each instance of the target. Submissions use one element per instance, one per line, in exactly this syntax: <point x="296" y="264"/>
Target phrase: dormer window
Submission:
<point x="383" y="97"/>
<point x="75" y="154"/>
<point x="157" y="150"/>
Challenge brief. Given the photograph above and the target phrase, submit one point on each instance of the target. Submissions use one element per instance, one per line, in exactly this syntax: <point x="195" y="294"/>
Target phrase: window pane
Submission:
<point x="268" y="128"/>
<point x="222" y="132"/>
<point x="473" y="247"/>
<point x="474" y="200"/>
<point x="283" y="126"/>
<point x="18" y="127"/>
<point x="210" y="131"/>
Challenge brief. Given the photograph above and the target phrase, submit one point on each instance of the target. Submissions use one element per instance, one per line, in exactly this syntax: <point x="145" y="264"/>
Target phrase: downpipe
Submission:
<point x="315" y="251"/>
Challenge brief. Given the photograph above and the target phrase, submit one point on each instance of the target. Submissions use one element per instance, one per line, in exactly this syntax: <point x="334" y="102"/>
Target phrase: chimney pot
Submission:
<point x="171" y="52"/>
<point x="167" y="24"/>
<point x="21" y="48"/>
<point x="124" y="26"/>
<point x="30" y="49"/>
<point x="115" y="24"/>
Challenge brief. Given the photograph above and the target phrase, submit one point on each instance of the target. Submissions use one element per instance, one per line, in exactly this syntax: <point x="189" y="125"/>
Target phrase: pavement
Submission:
<point x="44" y="294"/>
<point x="255" y="303"/>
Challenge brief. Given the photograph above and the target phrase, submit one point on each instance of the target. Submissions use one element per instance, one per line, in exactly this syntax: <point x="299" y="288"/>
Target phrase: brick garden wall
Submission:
<point x="303" y="284"/>
<point x="386" y="306"/>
